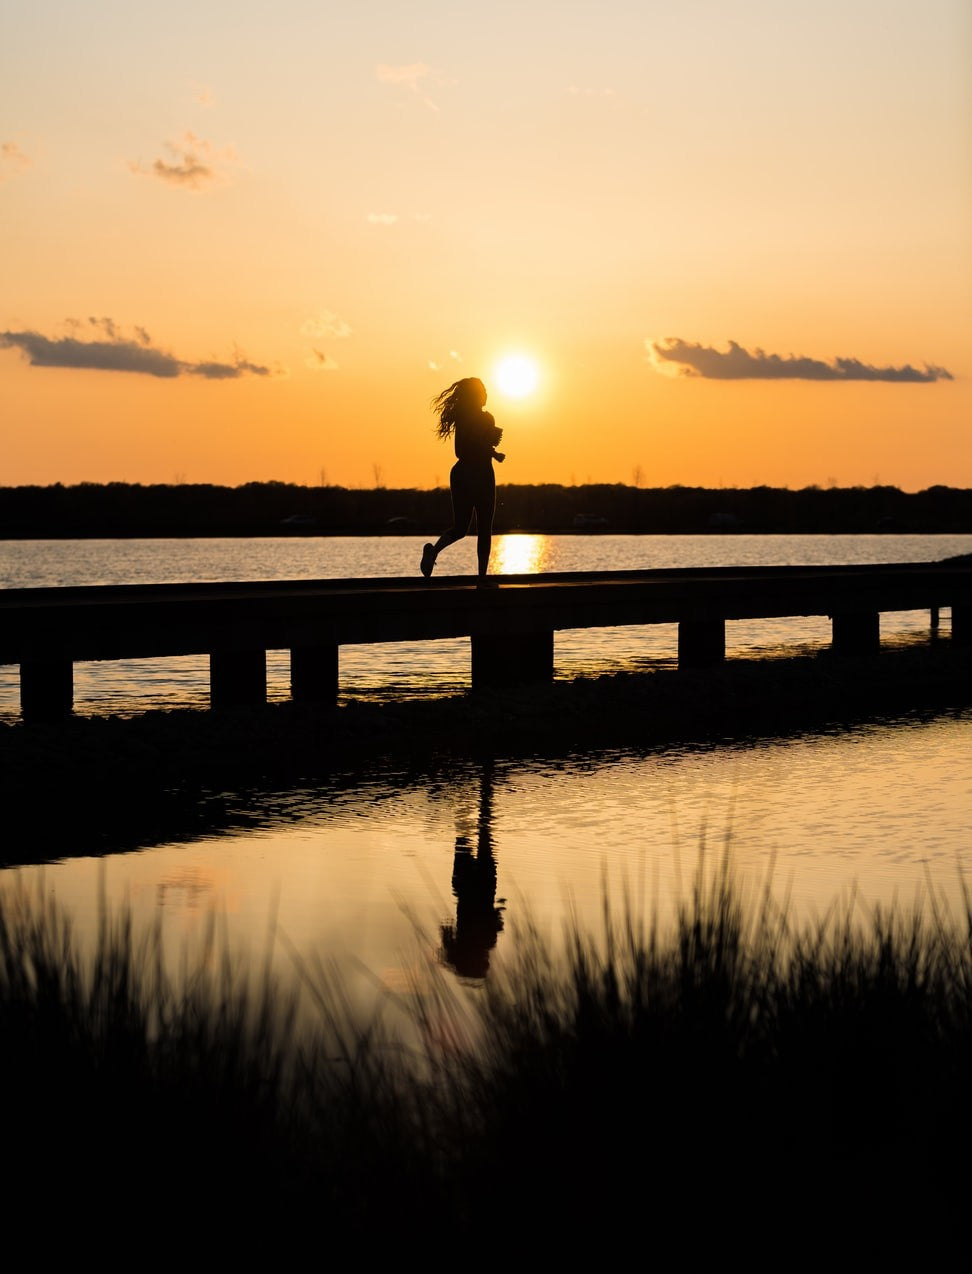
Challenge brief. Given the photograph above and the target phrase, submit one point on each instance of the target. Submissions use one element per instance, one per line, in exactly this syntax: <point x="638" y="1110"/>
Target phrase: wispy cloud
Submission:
<point x="326" y="324"/>
<point x="111" y="351"/>
<point x="193" y="163"/>
<point x="410" y="76"/>
<point x="436" y="365"/>
<point x="318" y="361"/>
<point x="682" y="357"/>
<point x="12" y="160"/>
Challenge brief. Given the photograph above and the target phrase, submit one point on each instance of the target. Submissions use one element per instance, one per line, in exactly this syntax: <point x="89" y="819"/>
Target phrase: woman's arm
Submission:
<point x="495" y="435"/>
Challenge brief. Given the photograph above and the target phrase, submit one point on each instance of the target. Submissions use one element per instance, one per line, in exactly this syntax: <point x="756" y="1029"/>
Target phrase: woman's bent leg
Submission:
<point x="447" y="538"/>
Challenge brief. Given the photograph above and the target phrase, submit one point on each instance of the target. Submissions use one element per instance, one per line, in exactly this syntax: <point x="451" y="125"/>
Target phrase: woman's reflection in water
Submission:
<point x="479" y="918"/>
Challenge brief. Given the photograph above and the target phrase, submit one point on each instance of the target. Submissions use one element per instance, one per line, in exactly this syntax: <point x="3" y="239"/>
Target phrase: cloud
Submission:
<point x="318" y="361"/>
<point x="382" y="218"/>
<point x="240" y="366"/>
<point x="436" y="364"/>
<point x="327" y="324"/>
<point x="410" y="76"/>
<point x="13" y="161"/>
<point x="111" y="351"/>
<point x="193" y="163"/>
<point x="676" y="356"/>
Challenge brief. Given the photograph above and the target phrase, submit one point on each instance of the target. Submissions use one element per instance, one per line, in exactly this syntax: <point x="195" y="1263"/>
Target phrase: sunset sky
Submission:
<point x="250" y="241"/>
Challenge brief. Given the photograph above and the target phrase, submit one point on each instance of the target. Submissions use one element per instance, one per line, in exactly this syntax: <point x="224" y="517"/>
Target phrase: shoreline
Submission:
<point x="424" y="531"/>
<point x="93" y="778"/>
<point x="95" y="510"/>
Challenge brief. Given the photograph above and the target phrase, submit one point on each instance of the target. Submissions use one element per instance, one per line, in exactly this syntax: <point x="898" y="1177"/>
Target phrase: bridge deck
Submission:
<point x="511" y="621"/>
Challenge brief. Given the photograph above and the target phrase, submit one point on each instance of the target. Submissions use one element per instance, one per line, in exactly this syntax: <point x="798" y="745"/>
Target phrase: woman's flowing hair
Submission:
<point x="463" y="398"/>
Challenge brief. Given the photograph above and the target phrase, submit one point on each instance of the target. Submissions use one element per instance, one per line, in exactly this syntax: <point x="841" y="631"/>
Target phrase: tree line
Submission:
<point x="122" y="509"/>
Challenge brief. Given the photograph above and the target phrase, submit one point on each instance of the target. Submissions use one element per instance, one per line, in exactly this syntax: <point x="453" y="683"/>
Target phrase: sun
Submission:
<point x="516" y="375"/>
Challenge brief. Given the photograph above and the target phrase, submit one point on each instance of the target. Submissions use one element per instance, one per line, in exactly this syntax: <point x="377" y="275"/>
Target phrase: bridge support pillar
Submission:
<point x="701" y="642"/>
<point x="856" y="633"/>
<point x="237" y="678"/>
<point x="46" y="689"/>
<point x="962" y="625"/>
<point x="511" y="659"/>
<point x="314" y="674"/>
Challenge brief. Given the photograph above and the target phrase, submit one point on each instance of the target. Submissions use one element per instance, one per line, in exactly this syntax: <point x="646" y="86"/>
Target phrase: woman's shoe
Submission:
<point x="428" y="560"/>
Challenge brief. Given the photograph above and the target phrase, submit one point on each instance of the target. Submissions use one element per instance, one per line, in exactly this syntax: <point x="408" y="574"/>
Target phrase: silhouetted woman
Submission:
<point x="461" y="413"/>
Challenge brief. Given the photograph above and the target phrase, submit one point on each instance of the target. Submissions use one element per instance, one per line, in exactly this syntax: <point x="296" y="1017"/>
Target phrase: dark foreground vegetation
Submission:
<point x="118" y="509"/>
<point x="735" y="1085"/>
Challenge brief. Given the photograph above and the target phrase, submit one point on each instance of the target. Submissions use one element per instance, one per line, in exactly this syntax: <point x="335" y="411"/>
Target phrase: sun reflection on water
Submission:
<point x="520" y="554"/>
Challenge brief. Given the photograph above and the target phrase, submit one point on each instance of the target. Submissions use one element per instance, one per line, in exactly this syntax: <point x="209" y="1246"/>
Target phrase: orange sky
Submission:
<point x="252" y="244"/>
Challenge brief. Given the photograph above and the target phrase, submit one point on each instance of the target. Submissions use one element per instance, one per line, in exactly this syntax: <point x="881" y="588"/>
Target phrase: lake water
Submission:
<point x="383" y="872"/>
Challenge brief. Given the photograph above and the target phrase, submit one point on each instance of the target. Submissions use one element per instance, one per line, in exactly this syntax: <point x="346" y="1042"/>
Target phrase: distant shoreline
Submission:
<point x="124" y="511"/>
<point x="425" y="534"/>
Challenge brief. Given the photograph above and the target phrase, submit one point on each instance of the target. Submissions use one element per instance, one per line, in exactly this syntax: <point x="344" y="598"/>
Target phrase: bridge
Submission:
<point x="510" y="621"/>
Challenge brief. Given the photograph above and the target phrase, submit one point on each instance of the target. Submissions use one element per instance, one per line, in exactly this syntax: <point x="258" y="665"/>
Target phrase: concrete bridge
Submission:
<point x="511" y="621"/>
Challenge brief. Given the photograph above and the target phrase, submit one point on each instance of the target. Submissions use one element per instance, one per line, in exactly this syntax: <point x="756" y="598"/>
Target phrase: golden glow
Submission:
<point x="519" y="554"/>
<point x="516" y="375"/>
<point x="200" y="291"/>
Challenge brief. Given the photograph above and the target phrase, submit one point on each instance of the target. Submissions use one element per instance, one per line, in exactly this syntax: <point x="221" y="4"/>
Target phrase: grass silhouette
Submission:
<point x="732" y="1074"/>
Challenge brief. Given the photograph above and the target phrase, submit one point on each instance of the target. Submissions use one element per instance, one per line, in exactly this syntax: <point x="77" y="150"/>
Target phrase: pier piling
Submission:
<point x="237" y="678"/>
<point x="701" y="642"/>
<point x="46" y="689"/>
<point x="314" y="674"/>
<point x="513" y="659"/>
<point x="856" y="633"/>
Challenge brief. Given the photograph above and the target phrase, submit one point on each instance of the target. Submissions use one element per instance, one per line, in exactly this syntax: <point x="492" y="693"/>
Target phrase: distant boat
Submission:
<point x="589" y="522"/>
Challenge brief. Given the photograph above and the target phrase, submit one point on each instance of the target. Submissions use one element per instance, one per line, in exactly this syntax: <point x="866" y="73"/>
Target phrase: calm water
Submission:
<point x="382" y="872"/>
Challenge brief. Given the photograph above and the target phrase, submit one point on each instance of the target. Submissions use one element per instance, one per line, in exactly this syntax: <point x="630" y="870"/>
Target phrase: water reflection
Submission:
<point x="356" y="868"/>
<point x="521" y="554"/>
<point x="466" y="945"/>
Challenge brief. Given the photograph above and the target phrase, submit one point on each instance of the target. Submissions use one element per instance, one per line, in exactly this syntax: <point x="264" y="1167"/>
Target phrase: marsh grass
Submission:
<point x="733" y="1069"/>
